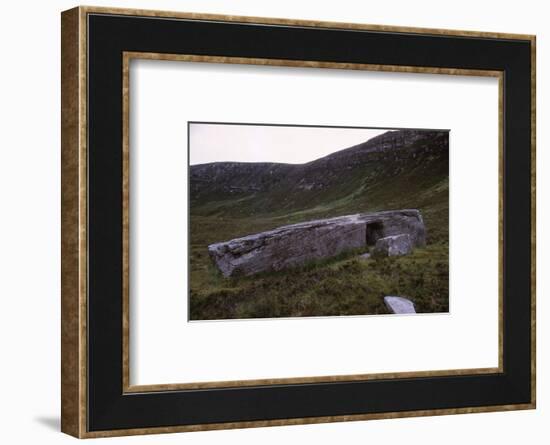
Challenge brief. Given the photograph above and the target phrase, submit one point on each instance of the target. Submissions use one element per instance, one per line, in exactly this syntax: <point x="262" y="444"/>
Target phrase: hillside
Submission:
<point x="398" y="169"/>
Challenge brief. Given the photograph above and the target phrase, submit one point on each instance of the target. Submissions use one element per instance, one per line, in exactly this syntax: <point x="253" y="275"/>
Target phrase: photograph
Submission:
<point x="291" y="220"/>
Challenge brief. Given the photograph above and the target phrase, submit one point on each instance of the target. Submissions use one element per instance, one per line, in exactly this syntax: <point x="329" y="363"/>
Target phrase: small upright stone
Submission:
<point x="399" y="305"/>
<point x="393" y="245"/>
<point x="365" y="256"/>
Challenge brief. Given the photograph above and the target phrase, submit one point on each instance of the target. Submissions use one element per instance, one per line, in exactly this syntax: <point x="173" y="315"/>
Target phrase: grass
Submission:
<point x="344" y="285"/>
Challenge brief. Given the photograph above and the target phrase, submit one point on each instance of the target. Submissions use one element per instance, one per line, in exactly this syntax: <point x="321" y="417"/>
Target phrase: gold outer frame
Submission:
<point x="74" y="213"/>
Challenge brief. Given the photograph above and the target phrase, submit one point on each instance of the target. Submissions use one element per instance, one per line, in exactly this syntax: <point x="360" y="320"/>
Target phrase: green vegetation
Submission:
<point x="345" y="285"/>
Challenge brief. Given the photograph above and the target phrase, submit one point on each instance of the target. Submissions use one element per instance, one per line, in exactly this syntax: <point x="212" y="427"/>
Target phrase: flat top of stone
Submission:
<point x="338" y="220"/>
<point x="395" y="237"/>
<point x="399" y="305"/>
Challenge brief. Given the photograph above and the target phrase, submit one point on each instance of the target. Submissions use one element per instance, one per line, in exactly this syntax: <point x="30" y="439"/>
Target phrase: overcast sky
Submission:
<point x="259" y="143"/>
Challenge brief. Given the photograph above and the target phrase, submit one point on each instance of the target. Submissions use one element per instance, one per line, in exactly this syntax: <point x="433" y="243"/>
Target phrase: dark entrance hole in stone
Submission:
<point x="374" y="233"/>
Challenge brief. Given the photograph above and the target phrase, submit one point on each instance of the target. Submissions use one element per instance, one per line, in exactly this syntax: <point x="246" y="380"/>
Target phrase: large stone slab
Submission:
<point x="296" y="244"/>
<point x="399" y="305"/>
<point x="393" y="245"/>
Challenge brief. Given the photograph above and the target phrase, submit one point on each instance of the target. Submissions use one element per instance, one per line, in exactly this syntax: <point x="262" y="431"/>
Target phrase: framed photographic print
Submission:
<point x="274" y="222"/>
